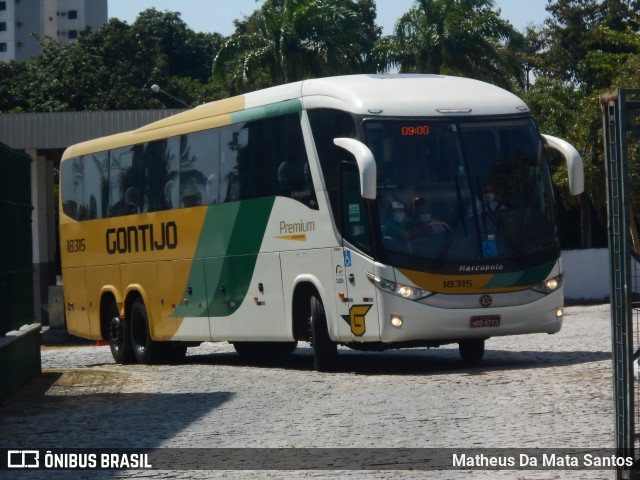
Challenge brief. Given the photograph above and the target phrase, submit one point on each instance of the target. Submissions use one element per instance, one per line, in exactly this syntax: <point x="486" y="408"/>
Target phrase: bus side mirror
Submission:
<point x="574" y="162"/>
<point x="366" y="165"/>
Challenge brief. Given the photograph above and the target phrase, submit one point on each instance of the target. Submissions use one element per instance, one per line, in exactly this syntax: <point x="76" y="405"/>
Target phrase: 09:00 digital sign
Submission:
<point x="411" y="130"/>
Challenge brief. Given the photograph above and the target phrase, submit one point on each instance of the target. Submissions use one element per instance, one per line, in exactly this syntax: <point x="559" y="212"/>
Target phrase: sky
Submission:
<point x="218" y="15"/>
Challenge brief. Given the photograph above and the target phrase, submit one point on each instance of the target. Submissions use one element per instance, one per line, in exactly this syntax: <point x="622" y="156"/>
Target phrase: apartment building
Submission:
<point x="59" y="19"/>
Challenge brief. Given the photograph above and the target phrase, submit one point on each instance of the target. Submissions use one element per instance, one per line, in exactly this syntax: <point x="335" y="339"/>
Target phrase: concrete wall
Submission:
<point x="586" y="275"/>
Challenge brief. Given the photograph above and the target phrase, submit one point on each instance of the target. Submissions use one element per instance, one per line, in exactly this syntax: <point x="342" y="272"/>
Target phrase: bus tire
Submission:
<point x="471" y="350"/>
<point x="325" y="351"/>
<point x="146" y="350"/>
<point x="265" y="350"/>
<point x="118" y="335"/>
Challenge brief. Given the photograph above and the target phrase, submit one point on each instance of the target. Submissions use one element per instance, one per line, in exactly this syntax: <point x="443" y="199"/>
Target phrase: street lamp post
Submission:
<point x="155" y="88"/>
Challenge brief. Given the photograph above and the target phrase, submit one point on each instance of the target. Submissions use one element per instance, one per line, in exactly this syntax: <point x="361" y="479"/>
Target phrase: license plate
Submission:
<point x="485" y="321"/>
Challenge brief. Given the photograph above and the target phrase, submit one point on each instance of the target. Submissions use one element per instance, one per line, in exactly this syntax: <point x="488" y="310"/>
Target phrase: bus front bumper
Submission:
<point x="420" y="322"/>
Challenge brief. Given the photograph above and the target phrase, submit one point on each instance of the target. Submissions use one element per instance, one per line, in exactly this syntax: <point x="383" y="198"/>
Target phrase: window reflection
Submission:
<point x="462" y="191"/>
<point x="256" y="159"/>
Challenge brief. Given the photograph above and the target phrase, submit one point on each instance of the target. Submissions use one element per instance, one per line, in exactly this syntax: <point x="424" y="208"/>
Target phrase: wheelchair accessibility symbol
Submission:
<point x="489" y="249"/>
<point x="347" y="258"/>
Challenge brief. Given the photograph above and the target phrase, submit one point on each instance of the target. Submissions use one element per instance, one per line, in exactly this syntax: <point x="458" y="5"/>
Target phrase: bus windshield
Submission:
<point x="462" y="191"/>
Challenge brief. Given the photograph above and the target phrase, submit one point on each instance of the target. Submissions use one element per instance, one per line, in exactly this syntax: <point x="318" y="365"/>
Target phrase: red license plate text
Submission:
<point x="485" y="321"/>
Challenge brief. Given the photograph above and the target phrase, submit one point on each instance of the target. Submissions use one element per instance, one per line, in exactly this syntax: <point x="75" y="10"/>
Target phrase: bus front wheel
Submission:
<point x="118" y="335"/>
<point x="146" y="350"/>
<point x="325" y="351"/>
<point x="471" y="350"/>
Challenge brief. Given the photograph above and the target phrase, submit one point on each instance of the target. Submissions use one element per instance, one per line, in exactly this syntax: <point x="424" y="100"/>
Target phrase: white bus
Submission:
<point x="371" y="211"/>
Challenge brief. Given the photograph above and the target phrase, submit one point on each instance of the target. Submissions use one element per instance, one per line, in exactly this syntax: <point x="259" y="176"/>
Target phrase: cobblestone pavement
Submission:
<point x="548" y="391"/>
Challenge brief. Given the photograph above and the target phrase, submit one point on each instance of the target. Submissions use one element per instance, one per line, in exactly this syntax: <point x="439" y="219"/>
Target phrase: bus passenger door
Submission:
<point x="362" y="312"/>
<point x="245" y="298"/>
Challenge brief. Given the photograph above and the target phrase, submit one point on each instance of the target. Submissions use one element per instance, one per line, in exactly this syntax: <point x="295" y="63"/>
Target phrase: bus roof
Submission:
<point x="385" y="95"/>
<point x="413" y="95"/>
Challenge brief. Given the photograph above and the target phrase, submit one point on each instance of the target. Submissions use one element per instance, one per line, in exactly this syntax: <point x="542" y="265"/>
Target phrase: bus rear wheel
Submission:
<point x="325" y="351"/>
<point x="118" y="335"/>
<point x="146" y="350"/>
<point x="471" y="350"/>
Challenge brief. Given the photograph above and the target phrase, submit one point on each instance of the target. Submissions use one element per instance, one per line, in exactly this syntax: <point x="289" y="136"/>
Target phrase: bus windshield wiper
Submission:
<point x="458" y="214"/>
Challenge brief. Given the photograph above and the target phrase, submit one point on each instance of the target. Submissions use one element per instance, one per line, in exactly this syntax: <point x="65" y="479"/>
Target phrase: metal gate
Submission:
<point x="621" y="130"/>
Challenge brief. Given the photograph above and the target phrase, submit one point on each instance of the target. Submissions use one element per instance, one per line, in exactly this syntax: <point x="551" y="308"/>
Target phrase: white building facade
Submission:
<point x="62" y="20"/>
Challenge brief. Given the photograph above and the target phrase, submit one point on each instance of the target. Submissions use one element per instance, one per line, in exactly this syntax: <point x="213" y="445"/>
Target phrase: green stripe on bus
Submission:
<point x="522" y="278"/>
<point x="275" y="109"/>
<point x="228" y="248"/>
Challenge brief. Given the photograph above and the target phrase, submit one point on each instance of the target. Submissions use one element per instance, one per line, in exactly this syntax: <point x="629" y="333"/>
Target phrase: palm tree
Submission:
<point x="289" y="40"/>
<point x="457" y="37"/>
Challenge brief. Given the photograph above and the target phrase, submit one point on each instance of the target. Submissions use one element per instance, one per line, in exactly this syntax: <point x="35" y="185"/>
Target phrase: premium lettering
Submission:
<point x="298" y="227"/>
<point x="142" y="238"/>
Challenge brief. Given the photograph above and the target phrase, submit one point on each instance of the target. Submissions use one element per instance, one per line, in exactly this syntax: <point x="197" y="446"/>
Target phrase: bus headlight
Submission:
<point x="549" y="285"/>
<point x="404" y="291"/>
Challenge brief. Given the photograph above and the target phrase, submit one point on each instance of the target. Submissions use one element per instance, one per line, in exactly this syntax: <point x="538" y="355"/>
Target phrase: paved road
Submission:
<point x="548" y="391"/>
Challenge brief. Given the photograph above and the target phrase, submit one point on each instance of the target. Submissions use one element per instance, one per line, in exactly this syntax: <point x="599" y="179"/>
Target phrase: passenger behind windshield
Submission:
<point x="396" y="224"/>
<point x="425" y="223"/>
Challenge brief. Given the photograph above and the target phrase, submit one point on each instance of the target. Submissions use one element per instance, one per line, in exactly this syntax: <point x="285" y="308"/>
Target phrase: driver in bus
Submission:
<point x="491" y="203"/>
<point x="424" y="221"/>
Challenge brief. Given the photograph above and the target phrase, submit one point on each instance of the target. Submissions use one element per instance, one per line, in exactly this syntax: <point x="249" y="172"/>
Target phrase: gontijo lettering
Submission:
<point x="142" y="238"/>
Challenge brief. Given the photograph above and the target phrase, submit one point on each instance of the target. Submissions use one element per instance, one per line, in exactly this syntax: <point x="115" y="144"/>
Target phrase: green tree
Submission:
<point x="529" y="55"/>
<point x="157" y="48"/>
<point x="12" y="87"/>
<point x="564" y="111"/>
<point x="586" y="44"/>
<point x="457" y="37"/>
<point x="114" y="67"/>
<point x="290" y="40"/>
<point x="63" y="78"/>
<point x="587" y="40"/>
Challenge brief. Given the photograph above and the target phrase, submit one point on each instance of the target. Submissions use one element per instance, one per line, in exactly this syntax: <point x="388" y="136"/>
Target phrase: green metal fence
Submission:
<point x="621" y="132"/>
<point x="16" y="259"/>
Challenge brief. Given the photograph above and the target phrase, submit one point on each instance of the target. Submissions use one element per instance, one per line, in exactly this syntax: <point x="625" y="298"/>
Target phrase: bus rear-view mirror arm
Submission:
<point x="574" y="162"/>
<point x="366" y="165"/>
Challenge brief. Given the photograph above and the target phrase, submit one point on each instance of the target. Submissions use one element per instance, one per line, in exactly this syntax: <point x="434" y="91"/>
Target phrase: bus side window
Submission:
<point x="327" y="125"/>
<point x="126" y="180"/>
<point x="199" y="168"/>
<point x="73" y="187"/>
<point x="233" y="140"/>
<point x="265" y="158"/>
<point x="289" y="166"/>
<point x="96" y="171"/>
<point x="171" y="163"/>
<point x="355" y="215"/>
<point x="162" y="171"/>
